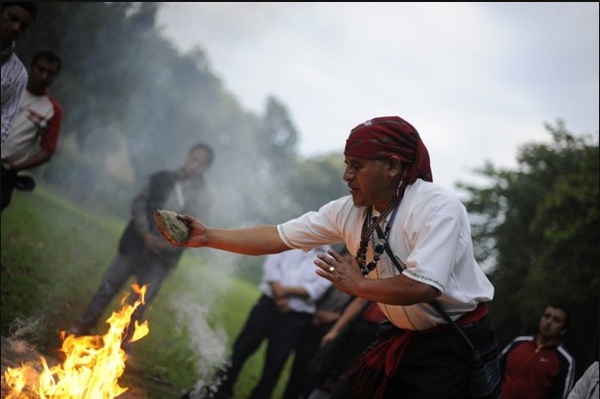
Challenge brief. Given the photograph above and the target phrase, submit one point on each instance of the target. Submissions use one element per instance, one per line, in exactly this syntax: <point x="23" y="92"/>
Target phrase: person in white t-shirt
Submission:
<point x="36" y="127"/>
<point x="392" y="199"/>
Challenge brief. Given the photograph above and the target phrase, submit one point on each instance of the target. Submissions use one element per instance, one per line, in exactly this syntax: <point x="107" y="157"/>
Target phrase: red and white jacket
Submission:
<point x="37" y="121"/>
<point x="531" y="373"/>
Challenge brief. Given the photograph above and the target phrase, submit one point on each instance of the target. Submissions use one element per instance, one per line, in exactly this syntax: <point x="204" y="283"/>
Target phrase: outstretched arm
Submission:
<point x="258" y="240"/>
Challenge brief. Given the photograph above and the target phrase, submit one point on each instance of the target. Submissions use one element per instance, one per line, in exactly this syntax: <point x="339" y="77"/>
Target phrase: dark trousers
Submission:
<point x="11" y="181"/>
<point x="147" y="270"/>
<point x="265" y="322"/>
<point x="8" y="185"/>
<point x="299" y="384"/>
<point x="436" y="365"/>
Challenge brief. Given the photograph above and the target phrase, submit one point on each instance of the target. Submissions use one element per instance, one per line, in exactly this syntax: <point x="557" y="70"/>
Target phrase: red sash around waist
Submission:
<point x="373" y="370"/>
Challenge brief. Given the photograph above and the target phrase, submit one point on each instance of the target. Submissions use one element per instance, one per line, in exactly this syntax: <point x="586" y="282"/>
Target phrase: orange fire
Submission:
<point x="92" y="365"/>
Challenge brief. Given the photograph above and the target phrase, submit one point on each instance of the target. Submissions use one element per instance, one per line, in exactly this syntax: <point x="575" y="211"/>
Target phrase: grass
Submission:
<point x="54" y="253"/>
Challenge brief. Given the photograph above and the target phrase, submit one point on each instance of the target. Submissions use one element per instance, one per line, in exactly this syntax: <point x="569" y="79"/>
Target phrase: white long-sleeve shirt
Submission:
<point x="14" y="79"/>
<point x="295" y="268"/>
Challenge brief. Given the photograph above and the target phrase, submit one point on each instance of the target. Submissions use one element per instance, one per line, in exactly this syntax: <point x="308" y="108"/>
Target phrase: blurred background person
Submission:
<point x="586" y="386"/>
<point x="143" y="252"/>
<point x="15" y="20"/>
<point x="539" y="366"/>
<point x="36" y="127"/>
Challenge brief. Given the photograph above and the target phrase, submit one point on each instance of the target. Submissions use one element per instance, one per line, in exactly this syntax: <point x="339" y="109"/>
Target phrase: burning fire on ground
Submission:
<point x="92" y="365"/>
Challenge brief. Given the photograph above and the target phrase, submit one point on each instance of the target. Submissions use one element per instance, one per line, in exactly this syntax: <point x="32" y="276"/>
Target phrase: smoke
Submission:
<point x="192" y="307"/>
<point x="147" y="110"/>
<point x="27" y="330"/>
<point x="207" y="344"/>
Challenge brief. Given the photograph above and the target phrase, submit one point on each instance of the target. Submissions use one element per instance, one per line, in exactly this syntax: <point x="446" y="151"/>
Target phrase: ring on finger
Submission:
<point x="331" y="269"/>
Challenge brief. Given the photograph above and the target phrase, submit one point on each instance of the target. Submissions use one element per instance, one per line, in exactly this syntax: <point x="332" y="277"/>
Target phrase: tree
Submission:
<point x="539" y="227"/>
<point x="133" y="104"/>
<point x="318" y="180"/>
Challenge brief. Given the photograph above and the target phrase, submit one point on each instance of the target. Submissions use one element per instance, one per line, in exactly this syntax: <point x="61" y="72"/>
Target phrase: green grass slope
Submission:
<point x="54" y="253"/>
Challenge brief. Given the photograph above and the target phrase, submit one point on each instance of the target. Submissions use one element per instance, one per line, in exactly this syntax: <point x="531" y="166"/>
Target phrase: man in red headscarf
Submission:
<point x="393" y="203"/>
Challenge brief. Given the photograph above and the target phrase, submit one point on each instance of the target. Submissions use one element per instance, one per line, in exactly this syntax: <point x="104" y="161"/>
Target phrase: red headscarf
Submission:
<point x="382" y="137"/>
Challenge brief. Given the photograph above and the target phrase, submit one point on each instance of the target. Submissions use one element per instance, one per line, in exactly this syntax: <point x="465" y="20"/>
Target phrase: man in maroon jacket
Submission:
<point x="538" y="366"/>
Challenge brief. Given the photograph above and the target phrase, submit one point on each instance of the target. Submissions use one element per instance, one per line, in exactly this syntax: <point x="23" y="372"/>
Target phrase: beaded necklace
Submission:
<point x="369" y="225"/>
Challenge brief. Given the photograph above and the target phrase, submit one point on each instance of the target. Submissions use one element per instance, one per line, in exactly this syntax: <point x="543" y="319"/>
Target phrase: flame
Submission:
<point x="92" y="365"/>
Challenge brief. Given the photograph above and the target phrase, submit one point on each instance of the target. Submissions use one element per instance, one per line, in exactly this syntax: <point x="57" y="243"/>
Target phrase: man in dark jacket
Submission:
<point x="143" y="251"/>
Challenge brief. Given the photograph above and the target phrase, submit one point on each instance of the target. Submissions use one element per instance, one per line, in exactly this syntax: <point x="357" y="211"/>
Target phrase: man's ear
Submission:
<point x="394" y="164"/>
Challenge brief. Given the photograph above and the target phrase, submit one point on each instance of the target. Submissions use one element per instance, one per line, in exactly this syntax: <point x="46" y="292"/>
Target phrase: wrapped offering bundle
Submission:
<point x="173" y="229"/>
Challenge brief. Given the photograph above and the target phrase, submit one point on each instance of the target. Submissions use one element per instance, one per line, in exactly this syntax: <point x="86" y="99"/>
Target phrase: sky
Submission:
<point x="477" y="80"/>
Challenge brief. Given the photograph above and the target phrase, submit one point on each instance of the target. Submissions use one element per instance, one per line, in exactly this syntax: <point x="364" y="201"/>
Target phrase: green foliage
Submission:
<point x="539" y="225"/>
<point x="318" y="180"/>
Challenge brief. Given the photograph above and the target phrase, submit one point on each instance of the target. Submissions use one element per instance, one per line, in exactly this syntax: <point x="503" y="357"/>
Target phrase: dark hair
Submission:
<point x="564" y="309"/>
<point x="47" y="55"/>
<point x="32" y="8"/>
<point x="206" y="148"/>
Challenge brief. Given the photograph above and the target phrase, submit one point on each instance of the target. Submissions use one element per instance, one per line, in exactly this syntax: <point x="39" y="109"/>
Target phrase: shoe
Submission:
<point x="24" y="183"/>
